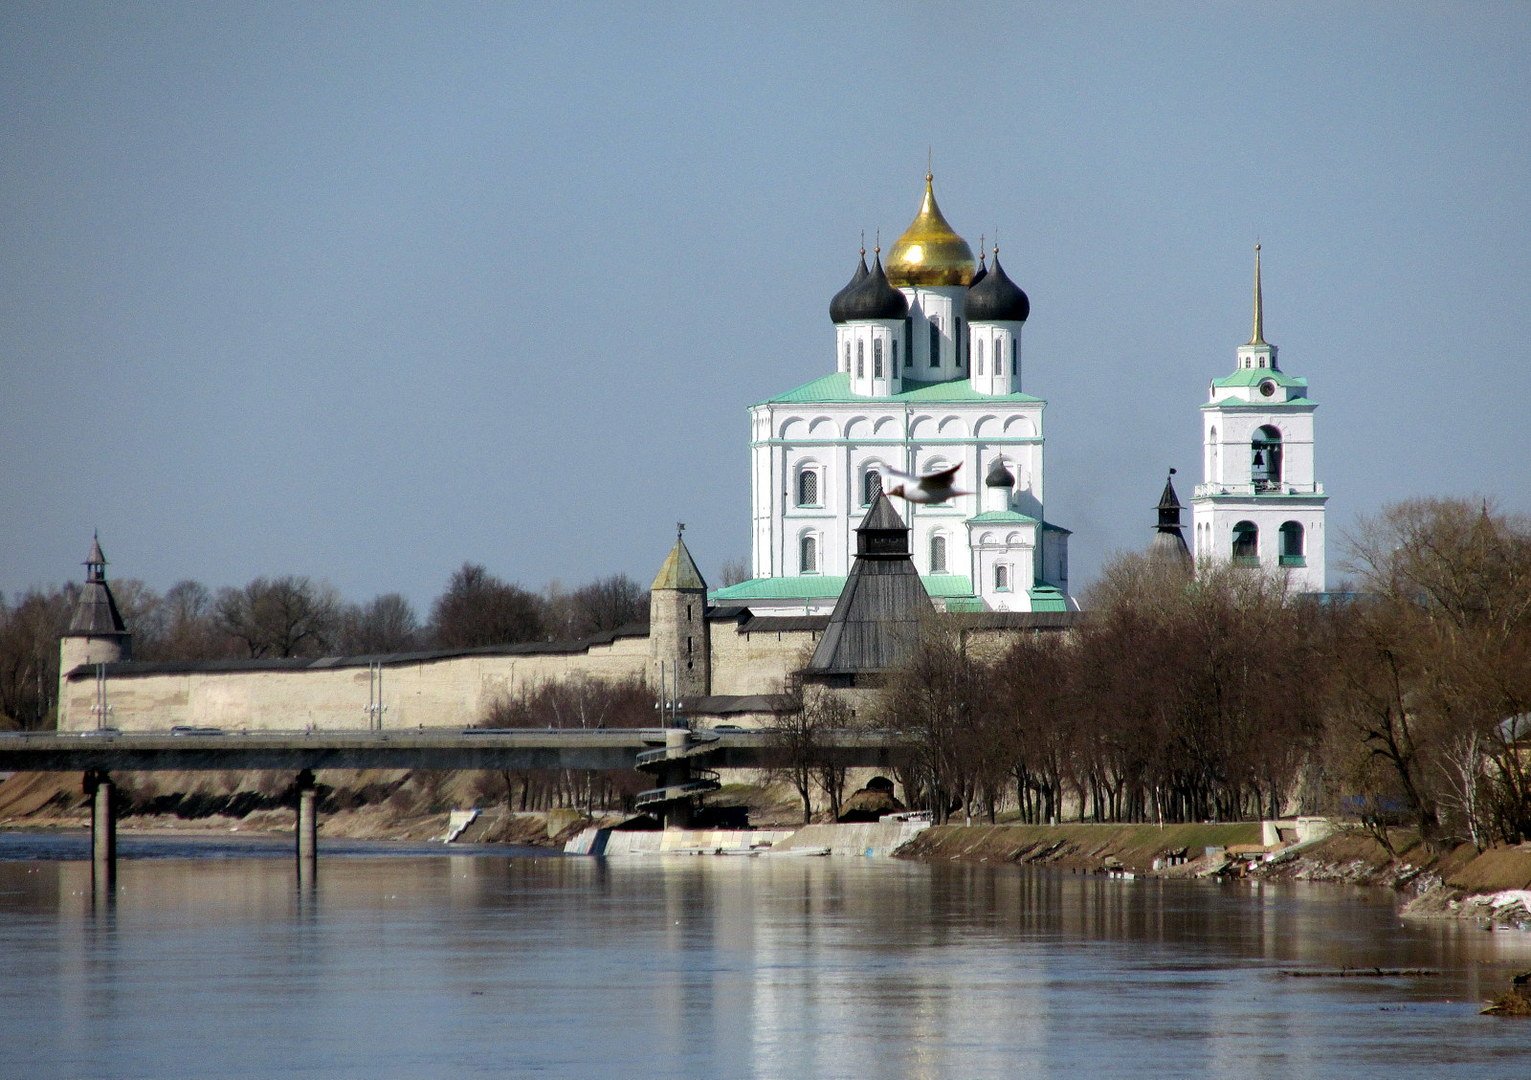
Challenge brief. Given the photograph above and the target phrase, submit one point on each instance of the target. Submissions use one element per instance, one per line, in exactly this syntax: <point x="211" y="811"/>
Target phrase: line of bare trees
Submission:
<point x="1221" y="697"/>
<point x="297" y="616"/>
<point x="577" y="703"/>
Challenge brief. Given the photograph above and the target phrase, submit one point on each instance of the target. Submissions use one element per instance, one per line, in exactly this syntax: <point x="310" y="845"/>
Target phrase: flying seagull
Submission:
<point x="934" y="488"/>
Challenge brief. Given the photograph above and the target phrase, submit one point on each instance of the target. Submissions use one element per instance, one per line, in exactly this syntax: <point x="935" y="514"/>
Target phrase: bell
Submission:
<point x="1259" y="457"/>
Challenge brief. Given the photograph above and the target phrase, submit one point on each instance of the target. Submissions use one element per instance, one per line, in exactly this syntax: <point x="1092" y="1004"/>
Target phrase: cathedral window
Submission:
<point x="808" y="488"/>
<point x="847" y="366"/>
<point x="1293" y="550"/>
<point x="935" y="343"/>
<point x="908" y="341"/>
<point x="980" y="356"/>
<point x="938" y="554"/>
<point x="957" y="340"/>
<point x="1012" y="356"/>
<point x="808" y="555"/>
<point x="895" y="354"/>
<point x="1001" y="578"/>
<point x="1246" y="544"/>
<point x="871" y="486"/>
<point x="877" y="359"/>
<point x="860" y="359"/>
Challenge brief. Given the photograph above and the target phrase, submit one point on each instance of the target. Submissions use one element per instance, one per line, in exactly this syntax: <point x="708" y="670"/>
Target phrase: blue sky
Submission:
<point x="362" y="291"/>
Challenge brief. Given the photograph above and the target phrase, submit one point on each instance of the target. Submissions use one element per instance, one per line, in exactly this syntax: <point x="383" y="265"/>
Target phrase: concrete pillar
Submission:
<point x="103" y="827"/>
<point x="677" y="771"/>
<point x="308" y="826"/>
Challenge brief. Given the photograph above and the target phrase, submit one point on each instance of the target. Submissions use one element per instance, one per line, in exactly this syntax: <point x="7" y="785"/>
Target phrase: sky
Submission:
<point x="364" y="291"/>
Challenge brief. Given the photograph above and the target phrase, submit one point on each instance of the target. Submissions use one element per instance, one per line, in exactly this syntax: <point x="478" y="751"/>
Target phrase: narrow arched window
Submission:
<point x="1246" y="543"/>
<point x="1265" y="459"/>
<point x="877" y="359"/>
<point x="1293" y="549"/>
<point x="957" y="340"/>
<point x="980" y="356"/>
<point x="1013" y="364"/>
<point x="860" y="359"/>
<point x="935" y="343"/>
<point x="847" y="366"/>
<point x="938" y="554"/>
<point x="808" y="488"/>
<point x="1001" y="578"/>
<point x="895" y="354"/>
<point x="871" y="486"/>
<point x="808" y="555"/>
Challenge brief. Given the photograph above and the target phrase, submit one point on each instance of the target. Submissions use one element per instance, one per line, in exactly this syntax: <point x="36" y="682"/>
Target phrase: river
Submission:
<point x="403" y="961"/>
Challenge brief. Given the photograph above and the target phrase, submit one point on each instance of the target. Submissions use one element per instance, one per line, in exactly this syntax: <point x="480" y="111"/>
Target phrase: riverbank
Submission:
<point x="1491" y="886"/>
<point x="355" y="805"/>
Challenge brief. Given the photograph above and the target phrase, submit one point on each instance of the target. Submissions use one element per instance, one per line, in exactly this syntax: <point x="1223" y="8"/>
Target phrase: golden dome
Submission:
<point x="929" y="252"/>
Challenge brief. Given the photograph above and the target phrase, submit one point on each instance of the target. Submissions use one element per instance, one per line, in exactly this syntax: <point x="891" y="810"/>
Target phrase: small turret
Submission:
<point x="997" y="309"/>
<point x="96" y="634"/>
<point x="1168" y="545"/>
<point x="678" y="626"/>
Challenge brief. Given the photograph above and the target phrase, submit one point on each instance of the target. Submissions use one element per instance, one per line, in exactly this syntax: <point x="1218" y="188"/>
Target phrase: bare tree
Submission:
<point x="286" y="616"/>
<point x="601" y="606"/>
<point x="734" y="571"/>
<point x="29" y="655"/>
<point x="385" y="625"/>
<point x="480" y="609"/>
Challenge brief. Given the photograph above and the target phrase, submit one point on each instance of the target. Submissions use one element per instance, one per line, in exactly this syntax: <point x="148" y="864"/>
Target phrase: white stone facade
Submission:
<point x="916" y="394"/>
<point x="1259" y="502"/>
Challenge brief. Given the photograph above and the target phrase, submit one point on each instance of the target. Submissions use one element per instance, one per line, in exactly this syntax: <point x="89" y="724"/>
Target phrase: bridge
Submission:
<point x="99" y="753"/>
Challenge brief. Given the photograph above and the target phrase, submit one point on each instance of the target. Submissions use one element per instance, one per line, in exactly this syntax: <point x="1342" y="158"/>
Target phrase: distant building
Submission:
<point x="1259" y="503"/>
<point x="1168" y="545"/>
<point x="928" y="374"/>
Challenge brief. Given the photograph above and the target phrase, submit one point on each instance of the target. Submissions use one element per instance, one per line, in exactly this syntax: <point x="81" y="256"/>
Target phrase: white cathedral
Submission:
<point x="928" y="374"/>
<point x="928" y="368"/>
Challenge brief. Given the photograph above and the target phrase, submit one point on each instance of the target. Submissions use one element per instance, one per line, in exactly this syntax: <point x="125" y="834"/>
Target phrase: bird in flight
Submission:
<point x="934" y="488"/>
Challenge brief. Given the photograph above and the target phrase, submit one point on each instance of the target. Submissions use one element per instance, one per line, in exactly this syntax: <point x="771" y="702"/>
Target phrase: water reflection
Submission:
<point x="463" y="965"/>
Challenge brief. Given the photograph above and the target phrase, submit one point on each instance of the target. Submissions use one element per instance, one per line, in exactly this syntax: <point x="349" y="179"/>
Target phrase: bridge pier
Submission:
<point x="103" y="827"/>
<point x="308" y="827"/>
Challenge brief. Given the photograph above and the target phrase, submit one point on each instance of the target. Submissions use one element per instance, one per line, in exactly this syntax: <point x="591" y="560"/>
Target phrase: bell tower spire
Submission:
<point x="1257" y="336"/>
<point x="1257" y="354"/>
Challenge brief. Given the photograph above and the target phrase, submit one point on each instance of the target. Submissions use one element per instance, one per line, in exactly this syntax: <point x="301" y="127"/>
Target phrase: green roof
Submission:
<point x="825" y="586"/>
<point x="837" y="388"/>
<point x="679" y="570"/>
<point x="1240" y="403"/>
<point x="1255" y="376"/>
<point x="966" y="603"/>
<point x="1048" y="598"/>
<point x="1001" y="517"/>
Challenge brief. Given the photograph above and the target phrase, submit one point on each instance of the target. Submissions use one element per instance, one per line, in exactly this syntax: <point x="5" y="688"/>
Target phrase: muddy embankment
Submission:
<point x="1130" y="848"/>
<point x="356" y="804"/>
<point x="1491" y="886"/>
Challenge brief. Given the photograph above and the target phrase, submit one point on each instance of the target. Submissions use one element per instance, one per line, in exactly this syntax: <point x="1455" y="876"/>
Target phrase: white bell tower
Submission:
<point x="1259" y="503"/>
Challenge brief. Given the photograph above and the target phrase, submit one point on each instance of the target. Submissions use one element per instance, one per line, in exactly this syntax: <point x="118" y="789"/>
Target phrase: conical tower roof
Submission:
<point x="1169" y="541"/>
<point x="679" y="570"/>
<point x="96" y="614"/>
<point x="876" y="622"/>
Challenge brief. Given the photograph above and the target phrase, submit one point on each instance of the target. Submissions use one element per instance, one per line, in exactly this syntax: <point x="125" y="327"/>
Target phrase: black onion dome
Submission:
<point x="982" y="271"/>
<point x="996" y="298"/>
<point x="999" y="476"/>
<point x="837" y="302"/>
<point x="872" y="298"/>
